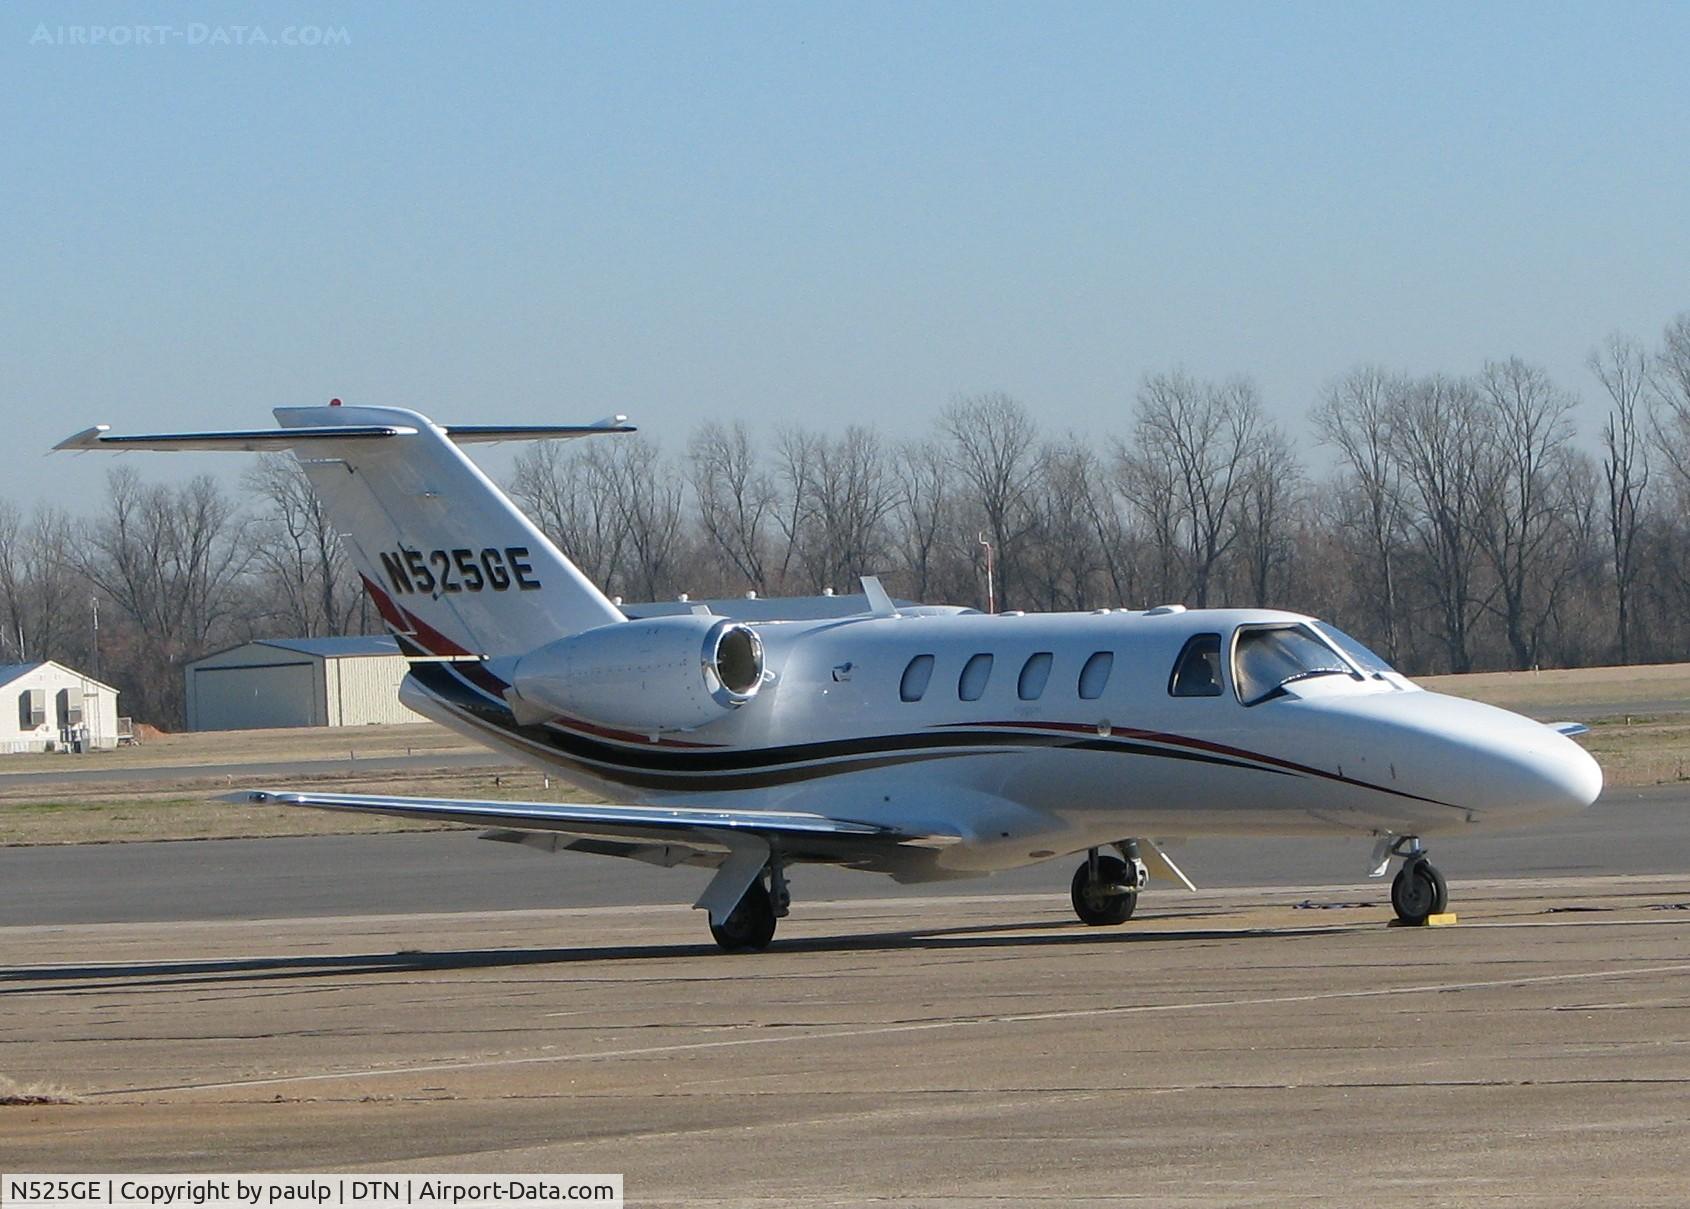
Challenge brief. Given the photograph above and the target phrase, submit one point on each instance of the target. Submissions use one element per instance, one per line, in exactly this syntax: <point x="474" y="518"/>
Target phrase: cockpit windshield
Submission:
<point x="1366" y="659"/>
<point x="1268" y="658"/>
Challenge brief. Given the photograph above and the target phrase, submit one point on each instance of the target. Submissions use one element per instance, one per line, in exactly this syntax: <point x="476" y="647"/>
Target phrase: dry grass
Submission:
<point x="85" y="820"/>
<point x="1641" y="751"/>
<point x="19" y="1095"/>
<point x="1592" y="688"/>
<point x="256" y="747"/>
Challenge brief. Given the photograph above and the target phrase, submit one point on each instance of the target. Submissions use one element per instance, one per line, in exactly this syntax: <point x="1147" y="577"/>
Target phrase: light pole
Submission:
<point x="991" y="588"/>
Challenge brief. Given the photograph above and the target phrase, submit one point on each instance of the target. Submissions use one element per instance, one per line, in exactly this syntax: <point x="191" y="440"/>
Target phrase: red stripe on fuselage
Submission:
<point x="408" y="625"/>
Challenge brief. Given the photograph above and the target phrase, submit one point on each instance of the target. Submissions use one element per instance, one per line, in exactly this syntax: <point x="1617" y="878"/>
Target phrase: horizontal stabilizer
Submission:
<point x="255" y="440"/>
<point x="1570" y="729"/>
<point x="262" y="440"/>
<point x="484" y="434"/>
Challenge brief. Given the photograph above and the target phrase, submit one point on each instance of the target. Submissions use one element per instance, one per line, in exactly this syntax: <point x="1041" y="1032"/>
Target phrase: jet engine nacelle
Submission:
<point x="657" y="674"/>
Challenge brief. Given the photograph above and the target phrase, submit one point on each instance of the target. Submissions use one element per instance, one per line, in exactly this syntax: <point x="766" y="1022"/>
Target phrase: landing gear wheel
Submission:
<point x="751" y="924"/>
<point x="1419" y="892"/>
<point x="1098" y="903"/>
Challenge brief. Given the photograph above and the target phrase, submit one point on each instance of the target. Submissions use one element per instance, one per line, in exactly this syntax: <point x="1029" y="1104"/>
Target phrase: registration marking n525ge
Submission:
<point x="489" y="569"/>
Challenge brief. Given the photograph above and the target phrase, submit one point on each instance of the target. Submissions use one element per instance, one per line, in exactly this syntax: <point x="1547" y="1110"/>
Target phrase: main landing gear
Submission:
<point x="1105" y="888"/>
<point x="751" y="924"/>
<point x="1418" y="892"/>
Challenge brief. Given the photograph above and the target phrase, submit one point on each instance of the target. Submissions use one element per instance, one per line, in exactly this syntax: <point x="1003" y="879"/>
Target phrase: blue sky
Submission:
<point x="815" y="214"/>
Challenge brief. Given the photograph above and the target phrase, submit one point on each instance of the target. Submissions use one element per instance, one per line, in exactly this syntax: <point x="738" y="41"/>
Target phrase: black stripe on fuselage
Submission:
<point x="757" y="768"/>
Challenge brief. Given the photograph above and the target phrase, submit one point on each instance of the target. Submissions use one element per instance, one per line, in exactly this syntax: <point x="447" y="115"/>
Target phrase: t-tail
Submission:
<point x="454" y="567"/>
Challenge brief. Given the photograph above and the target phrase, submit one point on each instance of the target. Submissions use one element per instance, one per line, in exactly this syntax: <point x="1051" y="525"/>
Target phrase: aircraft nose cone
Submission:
<point x="1532" y="776"/>
<point x="1562" y="780"/>
<point x="1507" y="770"/>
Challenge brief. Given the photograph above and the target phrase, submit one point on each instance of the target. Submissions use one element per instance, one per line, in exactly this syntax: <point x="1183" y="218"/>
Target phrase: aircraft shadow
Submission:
<point x="38" y="980"/>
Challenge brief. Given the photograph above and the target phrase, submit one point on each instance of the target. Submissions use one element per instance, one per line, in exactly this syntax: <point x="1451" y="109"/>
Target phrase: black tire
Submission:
<point x="750" y="925"/>
<point x="1418" y="892"/>
<point x="1096" y="907"/>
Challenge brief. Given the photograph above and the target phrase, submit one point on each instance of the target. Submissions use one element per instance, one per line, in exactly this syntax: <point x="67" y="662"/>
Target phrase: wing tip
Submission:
<point x="88" y="438"/>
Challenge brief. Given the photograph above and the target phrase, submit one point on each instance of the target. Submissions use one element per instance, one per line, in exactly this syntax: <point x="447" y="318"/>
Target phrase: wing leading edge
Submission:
<point x="817" y="835"/>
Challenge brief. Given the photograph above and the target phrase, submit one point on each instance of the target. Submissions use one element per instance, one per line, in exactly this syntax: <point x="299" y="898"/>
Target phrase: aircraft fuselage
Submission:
<point x="1052" y="733"/>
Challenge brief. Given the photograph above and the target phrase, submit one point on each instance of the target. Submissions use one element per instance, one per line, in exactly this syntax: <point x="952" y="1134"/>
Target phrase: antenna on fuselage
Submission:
<point x="879" y="600"/>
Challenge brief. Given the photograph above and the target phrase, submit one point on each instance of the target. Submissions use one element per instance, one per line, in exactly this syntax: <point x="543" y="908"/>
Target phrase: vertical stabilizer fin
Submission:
<point x="451" y="563"/>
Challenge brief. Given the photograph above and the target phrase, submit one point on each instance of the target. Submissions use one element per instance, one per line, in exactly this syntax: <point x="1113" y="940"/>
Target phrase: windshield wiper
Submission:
<point x="1278" y="690"/>
<point x="1310" y="673"/>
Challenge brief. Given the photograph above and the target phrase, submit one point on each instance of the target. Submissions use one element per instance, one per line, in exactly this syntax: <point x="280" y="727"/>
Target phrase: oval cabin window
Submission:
<point x="975" y="673"/>
<point x="1094" y="676"/>
<point x="913" y="687"/>
<point x="1034" y="673"/>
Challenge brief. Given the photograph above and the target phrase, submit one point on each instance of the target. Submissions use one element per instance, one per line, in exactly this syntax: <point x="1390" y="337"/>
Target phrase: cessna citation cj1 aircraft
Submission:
<point x="925" y="743"/>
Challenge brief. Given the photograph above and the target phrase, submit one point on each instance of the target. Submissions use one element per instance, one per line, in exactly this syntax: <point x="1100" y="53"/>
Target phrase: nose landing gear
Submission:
<point x="1418" y="892"/>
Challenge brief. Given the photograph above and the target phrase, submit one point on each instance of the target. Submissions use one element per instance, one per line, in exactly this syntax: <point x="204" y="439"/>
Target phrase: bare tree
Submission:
<point x="1119" y="548"/>
<point x="1673" y="381"/>
<point x="798" y="460"/>
<point x="854" y="493"/>
<point x="922" y="517"/>
<point x="1622" y="366"/>
<point x="309" y="585"/>
<point x="736" y="499"/>
<point x="171" y="559"/>
<point x="1437" y="431"/>
<point x="1527" y="437"/>
<point x="44" y="611"/>
<point x="1150" y="488"/>
<point x="1063" y="560"/>
<point x="1273" y="486"/>
<point x="1355" y="416"/>
<point x="567" y="491"/>
<point x="1193" y="439"/>
<point x="1670" y="385"/>
<point x="994" y="444"/>
<point x="647" y="498"/>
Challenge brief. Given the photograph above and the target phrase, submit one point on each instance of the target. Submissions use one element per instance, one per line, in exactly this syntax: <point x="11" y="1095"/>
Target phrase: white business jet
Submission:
<point x="925" y="743"/>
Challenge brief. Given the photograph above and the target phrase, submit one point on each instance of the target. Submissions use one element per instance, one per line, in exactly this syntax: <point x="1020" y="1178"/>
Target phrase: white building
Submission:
<point x="298" y="682"/>
<point x="50" y="707"/>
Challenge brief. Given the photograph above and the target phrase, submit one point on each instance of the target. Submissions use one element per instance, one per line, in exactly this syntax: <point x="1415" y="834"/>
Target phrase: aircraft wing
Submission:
<point x="736" y="843"/>
<point x="813" y="836"/>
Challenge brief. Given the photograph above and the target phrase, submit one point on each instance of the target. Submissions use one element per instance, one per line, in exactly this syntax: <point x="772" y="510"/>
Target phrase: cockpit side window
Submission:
<point x="1197" y="671"/>
<point x="1267" y="658"/>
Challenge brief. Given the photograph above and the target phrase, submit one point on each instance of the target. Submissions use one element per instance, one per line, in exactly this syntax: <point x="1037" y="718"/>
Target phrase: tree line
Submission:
<point x="1454" y="522"/>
